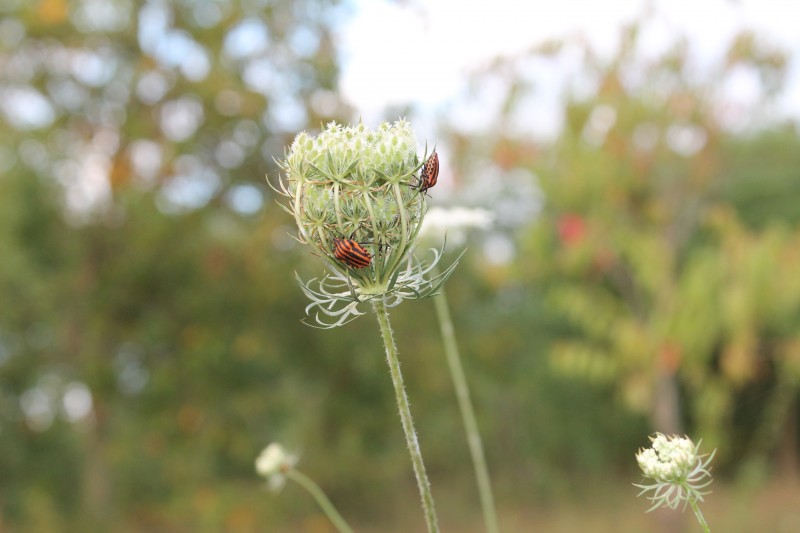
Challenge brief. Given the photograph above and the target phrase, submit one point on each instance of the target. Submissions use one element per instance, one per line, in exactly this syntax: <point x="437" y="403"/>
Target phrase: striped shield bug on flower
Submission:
<point x="429" y="173"/>
<point x="351" y="253"/>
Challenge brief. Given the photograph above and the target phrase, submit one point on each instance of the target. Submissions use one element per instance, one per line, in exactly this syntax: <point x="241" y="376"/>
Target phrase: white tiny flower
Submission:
<point x="273" y="462"/>
<point x="677" y="468"/>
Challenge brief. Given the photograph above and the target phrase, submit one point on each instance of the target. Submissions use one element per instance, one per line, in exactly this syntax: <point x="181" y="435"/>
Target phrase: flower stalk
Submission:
<point x="461" y="387"/>
<point x="322" y="500"/>
<point x="405" y="416"/>
<point x="700" y="519"/>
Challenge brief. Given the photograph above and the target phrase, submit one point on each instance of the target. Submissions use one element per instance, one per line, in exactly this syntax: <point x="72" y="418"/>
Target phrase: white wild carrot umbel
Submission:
<point x="678" y="471"/>
<point x="359" y="198"/>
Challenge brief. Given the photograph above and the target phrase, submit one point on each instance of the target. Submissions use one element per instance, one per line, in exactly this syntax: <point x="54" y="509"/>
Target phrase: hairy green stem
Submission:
<point x="323" y="501"/>
<point x="405" y="415"/>
<point x="698" y="514"/>
<point x="467" y="412"/>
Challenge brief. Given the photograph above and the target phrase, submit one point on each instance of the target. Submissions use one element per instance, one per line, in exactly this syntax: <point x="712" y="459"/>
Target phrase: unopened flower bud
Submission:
<point x="356" y="198"/>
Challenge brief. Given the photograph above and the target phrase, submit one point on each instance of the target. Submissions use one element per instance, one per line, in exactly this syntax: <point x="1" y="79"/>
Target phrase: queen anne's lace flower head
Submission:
<point x="678" y="470"/>
<point x="354" y="195"/>
<point x="273" y="463"/>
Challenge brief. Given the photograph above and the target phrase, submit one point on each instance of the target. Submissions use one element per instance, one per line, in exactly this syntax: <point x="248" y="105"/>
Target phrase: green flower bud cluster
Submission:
<point x="355" y="195"/>
<point x="353" y="183"/>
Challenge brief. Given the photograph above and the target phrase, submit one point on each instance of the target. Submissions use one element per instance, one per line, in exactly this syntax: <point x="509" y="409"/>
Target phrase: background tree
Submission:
<point x="670" y="274"/>
<point x="138" y="264"/>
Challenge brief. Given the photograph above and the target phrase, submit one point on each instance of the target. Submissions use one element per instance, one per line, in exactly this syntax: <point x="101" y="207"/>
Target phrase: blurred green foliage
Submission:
<point x="666" y="248"/>
<point x="144" y="262"/>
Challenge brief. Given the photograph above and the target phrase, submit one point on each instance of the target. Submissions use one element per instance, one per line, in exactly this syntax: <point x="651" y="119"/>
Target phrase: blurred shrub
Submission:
<point x="665" y="246"/>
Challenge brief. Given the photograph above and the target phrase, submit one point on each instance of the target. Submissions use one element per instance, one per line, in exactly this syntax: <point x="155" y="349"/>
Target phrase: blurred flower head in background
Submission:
<point x="454" y="222"/>
<point x="273" y="462"/>
<point x="677" y="468"/>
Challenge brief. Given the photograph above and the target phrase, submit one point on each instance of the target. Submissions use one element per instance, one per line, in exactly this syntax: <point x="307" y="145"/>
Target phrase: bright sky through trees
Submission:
<point x="400" y="53"/>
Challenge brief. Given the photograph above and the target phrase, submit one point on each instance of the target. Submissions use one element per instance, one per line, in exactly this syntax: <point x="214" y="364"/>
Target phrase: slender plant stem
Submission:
<point x="323" y="501"/>
<point x="699" y="515"/>
<point x="405" y="415"/>
<point x="467" y="412"/>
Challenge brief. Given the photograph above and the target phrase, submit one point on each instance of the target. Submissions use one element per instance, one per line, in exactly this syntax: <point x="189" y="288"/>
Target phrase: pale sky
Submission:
<point x="420" y="52"/>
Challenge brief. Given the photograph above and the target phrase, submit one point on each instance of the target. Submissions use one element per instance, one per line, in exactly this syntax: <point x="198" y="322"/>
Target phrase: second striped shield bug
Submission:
<point x="429" y="173"/>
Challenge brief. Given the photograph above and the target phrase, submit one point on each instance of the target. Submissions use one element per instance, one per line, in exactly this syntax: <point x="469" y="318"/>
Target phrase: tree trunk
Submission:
<point x="667" y="420"/>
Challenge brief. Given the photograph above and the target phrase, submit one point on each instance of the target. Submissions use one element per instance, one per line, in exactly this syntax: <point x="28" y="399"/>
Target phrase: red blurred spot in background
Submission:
<point x="571" y="228"/>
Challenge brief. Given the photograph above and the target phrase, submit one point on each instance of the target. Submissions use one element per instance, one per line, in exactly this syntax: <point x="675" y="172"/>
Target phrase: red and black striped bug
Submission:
<point x="429" y="173"/>
<point x="351" y="253"/>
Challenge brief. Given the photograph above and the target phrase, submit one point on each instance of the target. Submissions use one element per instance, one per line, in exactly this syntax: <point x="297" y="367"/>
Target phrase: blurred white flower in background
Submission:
<point x="273" y="463"/>
<point x="454" y="222"/>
